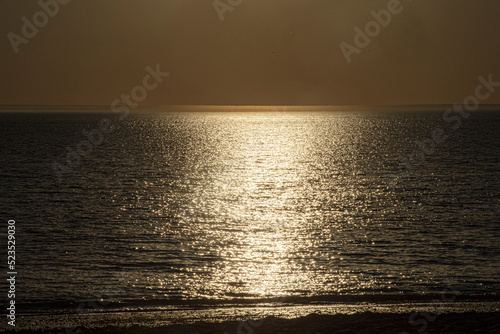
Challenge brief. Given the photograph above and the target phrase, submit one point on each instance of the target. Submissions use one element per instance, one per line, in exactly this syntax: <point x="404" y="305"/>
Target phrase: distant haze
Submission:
<point x="265" y="52"/>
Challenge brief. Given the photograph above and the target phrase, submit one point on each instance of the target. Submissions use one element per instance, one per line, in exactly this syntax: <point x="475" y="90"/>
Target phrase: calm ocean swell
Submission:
<point x="217" y="206"/>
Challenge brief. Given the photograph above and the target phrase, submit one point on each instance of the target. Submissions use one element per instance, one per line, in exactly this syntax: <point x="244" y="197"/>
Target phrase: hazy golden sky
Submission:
<point x="265" y="52"/>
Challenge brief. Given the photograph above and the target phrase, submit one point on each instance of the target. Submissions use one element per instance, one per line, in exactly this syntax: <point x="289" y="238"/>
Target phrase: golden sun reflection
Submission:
<point x="269" y="181"/>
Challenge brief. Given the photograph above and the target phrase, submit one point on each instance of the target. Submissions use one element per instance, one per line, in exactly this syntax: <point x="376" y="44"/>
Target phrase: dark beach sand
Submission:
<point x="367" y="322"/>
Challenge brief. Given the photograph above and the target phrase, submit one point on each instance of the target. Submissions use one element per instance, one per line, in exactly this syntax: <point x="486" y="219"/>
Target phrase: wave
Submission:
<point x="92" y="305"/>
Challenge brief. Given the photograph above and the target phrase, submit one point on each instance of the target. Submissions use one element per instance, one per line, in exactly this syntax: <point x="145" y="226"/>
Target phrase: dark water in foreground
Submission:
<point x="221" y="206"/>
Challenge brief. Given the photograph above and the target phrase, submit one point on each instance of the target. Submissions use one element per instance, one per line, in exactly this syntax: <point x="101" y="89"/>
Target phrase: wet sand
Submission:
<point x="401" y="318"/>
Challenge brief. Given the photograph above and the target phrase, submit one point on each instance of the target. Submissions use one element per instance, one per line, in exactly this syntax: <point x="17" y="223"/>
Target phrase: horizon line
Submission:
<point x="234" y="105"/>
<point x="240" y="108"/>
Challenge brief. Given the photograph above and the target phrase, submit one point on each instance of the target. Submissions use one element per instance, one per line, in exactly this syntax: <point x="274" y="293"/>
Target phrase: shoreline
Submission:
<point x="221" y="319"/>
<point x="367" y="322"/>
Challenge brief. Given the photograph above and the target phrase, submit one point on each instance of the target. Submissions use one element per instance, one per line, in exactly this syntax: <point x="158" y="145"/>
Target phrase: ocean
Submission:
<point x="165" y="209"/>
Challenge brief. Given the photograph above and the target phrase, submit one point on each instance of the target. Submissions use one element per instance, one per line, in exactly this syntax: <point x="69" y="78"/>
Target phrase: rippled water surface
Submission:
<point x="251" y="205"/>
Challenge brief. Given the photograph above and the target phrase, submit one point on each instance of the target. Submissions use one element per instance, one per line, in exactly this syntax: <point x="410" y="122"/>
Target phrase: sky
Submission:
<point x="263" y="52"/>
